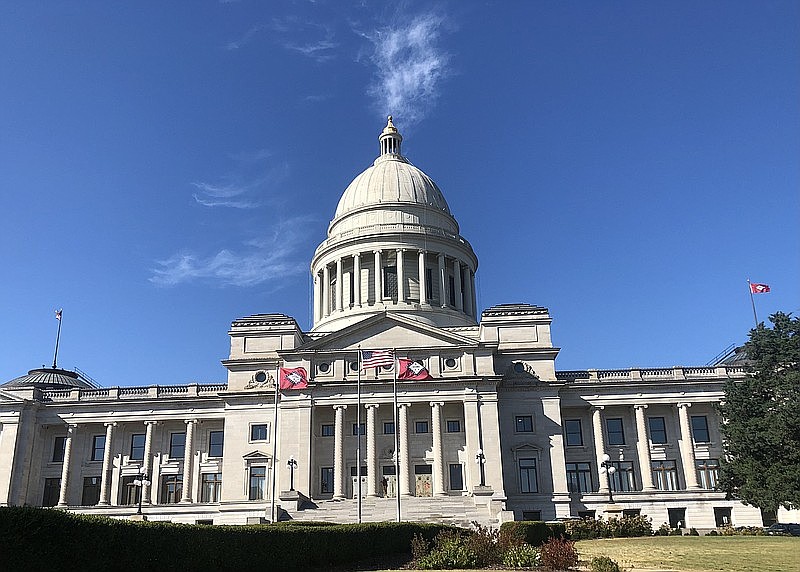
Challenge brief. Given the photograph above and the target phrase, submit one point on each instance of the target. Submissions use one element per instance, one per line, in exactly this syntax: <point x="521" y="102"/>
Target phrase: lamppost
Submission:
<point x="480" y="459"/>
<point x="292" y="464"/>
<point x="141" y="482"/>
<point x="607" y="467"/>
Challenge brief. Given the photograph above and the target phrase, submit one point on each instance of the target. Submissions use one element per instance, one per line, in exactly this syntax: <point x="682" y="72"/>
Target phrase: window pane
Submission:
<point x="327" y="430"/>
<point x="326" y="480"/>
<point x="171" y="489"/>
<point x="388" y="428"/>
<point x="573" y="432"/>
<point x="98" y="446"/>
<point x="456" y="477"/>
<point x="211" y="487"/>
<point x="91" y="491"/>
<point x="258" y="432"/>
<point x="665" y="475"/>
<point x="524" y="424"/>
<point x="137" y="446"/>
<point x="58" y="449"/>
<point x="700" y="429"/>
<point x="216" y="440"/>
<point x="177" y="445"/>
<point x="421" y="427"/>
<point x="52" y="489"/>
<point x="527" y="476"/>
<point x="363" y="429"/>
<point x="454" y="426"/>
<point x="616" y="436"/>
<point x="258" y="479"/>
<point x="658" y="430"/>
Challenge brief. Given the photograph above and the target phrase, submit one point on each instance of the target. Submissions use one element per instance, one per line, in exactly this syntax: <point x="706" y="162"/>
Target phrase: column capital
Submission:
<point x="422" y="251"/>
<point x="151" y="422"/>
<point x="188" y="421"/>
<point x="683" y="405"/>
<point x="437" y="403"/>
<point x="371" y="406"/>
<point x="110" y="424"/>
<point x="340" y="406"/>
<point x="597" y="408"/>
<point x="403" y="405"/>
<point x="72" y="427"/>
<point x="377" y="251"/>
<point x="640" y="406"/>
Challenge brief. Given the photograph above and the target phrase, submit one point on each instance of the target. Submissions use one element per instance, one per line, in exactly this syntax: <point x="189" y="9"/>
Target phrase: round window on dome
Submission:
<point x="261" y="377"/>
<point x="353" y="366"/>
<point x="450" y="363"/>
<point x="324" y="367"/>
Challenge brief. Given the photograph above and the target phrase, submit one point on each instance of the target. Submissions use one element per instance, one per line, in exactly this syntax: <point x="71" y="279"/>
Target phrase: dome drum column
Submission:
<point x="401" y="282"/>
<point x="458" y="295"/>
<point x="356" y="280"/>
<point x="423" y="293"/>
<point x="442" y="279"/>
<point x="326" y="288"/>
<point x="378" y="286"/>
<point x="339" y="293"/>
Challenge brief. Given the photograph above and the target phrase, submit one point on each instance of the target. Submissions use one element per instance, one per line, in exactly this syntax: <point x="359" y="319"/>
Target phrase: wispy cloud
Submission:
<point x="321" y="51"/>
<point x="273" y="259"/>
<point x="245" y="38"/>
<point x="239" y="189"/>
<point x="410" y="66"/>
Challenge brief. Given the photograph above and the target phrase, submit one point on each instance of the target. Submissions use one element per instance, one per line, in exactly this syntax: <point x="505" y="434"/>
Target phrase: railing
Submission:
<point x="651" y="374"/>
<point x="153" y="391"/>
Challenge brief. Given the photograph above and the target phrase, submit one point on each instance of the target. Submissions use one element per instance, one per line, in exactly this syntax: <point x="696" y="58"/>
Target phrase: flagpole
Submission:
<point x="275" y="447"/>
<point x="58" y="337"/>
<point x="358" y="434"/>
<point x="396" y="437"/>
<point x="752" y="302"/>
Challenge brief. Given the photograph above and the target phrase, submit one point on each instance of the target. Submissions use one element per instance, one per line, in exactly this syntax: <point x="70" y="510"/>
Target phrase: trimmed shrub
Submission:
<point x="629" y="526"/>
<point x="663" y="530"/>
<point x="523" y="556"/>
<point x="604" y="564"/>
<point x="559" y="553"/>
<point x="693" y="532"/>
<point x="532" y="532"/>
<point x="450" y="551"/>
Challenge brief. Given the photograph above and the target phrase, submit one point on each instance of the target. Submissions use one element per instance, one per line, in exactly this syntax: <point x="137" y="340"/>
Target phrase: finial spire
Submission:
<point x="390" y="139"/>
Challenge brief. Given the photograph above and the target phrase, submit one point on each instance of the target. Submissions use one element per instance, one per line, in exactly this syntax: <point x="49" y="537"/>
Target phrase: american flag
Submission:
<point x="376" y="358"/>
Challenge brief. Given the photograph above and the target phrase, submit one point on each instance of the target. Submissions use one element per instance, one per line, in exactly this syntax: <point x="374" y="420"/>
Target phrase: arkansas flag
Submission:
<point x="410" y="369"/>
<point x="758" y="288"/>
<point x="293" y="378"/>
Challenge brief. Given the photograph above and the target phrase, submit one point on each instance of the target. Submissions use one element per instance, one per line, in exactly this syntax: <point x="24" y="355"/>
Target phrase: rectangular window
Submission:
<point x="622" y="479"/>
<point x="527" y="476"/>
<point x="390" y="282"/>
<point x="665" y="475"/>
<point x="429" y="294"/>
<point x="52" y="490"/>
<point x="177" y="445"/>
<point x="59" y="445"/>
<point x="258" y="432"/>
<point x="91" y="491"/>
<point x="211" y="487"/>
<point x="524" y="424"/>
<point x="98" y="447"/>
<point x="363" y="471"/>
<point x="451" y="281"/>
<point x="388" y="428"/>
<point x="579" y="477"/>
<point x="573" y="433"/>
<point x="258" y="482"/>
<point x="171" y="487"/>
<point x="454" y="426"/>
<point x="128" y="492"/>
<point x="456" y="477"/>
<point x="677" y="517"/>
<point x="363" y="429"/>
<point x="216" y="440"/>
<point x="328" y="430"/>
<point x="707" y="473"/>
<point x="631" y="512"/>
<point x="616" y="435"/>
<point x="137" y="446"/>
<point x="700" y="429"/>
<point x="326" y="480"/>
<point x="421" y="427"/>
<point x="658" y="430"/>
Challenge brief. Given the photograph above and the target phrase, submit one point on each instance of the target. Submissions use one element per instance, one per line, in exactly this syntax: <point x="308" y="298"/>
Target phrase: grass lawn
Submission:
<point x="698" y="553"/>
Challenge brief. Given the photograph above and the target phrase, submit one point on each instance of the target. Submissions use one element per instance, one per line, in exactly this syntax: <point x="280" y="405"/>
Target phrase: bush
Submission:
<point x="450" y="551"/>
<point x="604" y="564"/>
<point x="693" y="532"/>
<point x="676" y="532"/>
<point x="531" y="532"/>
<point x="484" y="544"/>
<point x="523" y="556"/>
<point x="559" y="553"/>
<point x="625" y="527"/>
<point x="663" y="530"/>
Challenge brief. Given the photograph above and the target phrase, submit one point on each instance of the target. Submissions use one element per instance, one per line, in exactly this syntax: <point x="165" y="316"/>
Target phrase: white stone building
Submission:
<point x="393" y="273"/>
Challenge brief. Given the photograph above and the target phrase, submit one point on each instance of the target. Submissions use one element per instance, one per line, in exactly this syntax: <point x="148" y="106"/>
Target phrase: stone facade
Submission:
<point x="496" y="433"/>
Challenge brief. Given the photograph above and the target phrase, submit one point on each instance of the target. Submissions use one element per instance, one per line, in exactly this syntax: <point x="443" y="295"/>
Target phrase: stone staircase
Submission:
<point x="455" y="510"/>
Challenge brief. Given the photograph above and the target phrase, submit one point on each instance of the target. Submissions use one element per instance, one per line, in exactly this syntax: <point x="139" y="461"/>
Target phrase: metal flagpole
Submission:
<point x="358" y="434"/>
<point x="58" y="336"/>
<point x="396" y="437"/>
<point x="752" y="301"/>
<point x="275" y="446"/>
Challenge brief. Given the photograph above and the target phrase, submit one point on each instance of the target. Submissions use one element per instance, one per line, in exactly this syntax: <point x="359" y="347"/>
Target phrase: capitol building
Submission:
<point x="478" y="426"/>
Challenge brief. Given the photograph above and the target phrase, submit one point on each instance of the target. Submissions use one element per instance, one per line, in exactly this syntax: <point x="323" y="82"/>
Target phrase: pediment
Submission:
<point x="387" y="331"/>
<point x="256" y="456"/>
<point x="6" y="397"/>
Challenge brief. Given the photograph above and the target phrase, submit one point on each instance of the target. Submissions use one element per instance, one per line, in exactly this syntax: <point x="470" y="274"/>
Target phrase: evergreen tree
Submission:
<point x="761" y="419"/>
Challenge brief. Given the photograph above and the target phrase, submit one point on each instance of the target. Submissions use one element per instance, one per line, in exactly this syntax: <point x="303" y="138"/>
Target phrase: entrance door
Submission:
<point x="424" y="482"/>
<point x="388" y="484"/>
<point x="354" y="482"/>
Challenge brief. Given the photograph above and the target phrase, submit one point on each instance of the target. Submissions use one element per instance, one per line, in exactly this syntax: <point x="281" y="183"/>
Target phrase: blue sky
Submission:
<point x="168" y="167"/>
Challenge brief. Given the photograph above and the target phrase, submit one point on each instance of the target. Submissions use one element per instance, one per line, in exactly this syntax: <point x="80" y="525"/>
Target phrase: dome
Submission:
<point x="391" y="179"/>
<point x="48" y="378"/>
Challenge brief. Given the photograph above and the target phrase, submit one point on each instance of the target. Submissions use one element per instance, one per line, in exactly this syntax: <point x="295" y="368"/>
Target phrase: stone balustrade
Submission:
<point x="114" y="393"/>
<point x="651" y="374"/>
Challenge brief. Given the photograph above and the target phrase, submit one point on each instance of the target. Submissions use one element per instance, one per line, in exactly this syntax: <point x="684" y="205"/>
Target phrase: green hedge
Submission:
<point x="533" y="532"/>
<point x="51" y="539"/>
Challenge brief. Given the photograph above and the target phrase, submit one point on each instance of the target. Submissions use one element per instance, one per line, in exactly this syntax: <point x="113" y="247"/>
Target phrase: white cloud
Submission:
<point x="273" y="259"/>
<point x="237" y="189"/>
<point x="320" y="51"/>
<point x="245" y="38"/>
<point x="410" y="67"/>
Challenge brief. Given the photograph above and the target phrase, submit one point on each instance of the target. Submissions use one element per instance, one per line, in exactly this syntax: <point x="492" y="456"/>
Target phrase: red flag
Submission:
<point x="293" y="378"/>
<point x="758" y="288"/>
<point x="410" y="369"/>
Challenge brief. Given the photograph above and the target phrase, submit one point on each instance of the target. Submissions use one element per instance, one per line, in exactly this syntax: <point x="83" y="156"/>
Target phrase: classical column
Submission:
<point x="148" y="460"/>
<point x="378" y="275"/>
<point x="643" y="448"/>
<point x="106" y="474"/>
<point x="687" y="446"/>
<point x="438" y="455"/>
<point x="423" y="286"/>
<point x="326" y="291"/>
<point x="468" y="306"/>
<point x="442" y="278"/>
<point x="338" y="453"/>
<point x="474" y="295"/>
<point x="457" y="284"/>
<point x="599" y="447"/>
<point x="317" y="298"/>
<point x="404" y="478"/>
<point x="188" y="454"/>
<point x="401" y="282"/>
<point x="339" y="285"/>
<point x="62" y="493"/>
<point x="357" y="280"/>
<point x="372" y="457"/>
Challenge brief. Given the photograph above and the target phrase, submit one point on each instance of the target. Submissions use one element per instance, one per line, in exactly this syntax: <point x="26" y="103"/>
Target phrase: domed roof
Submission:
<point x="48" y="378"/>
<point x="391" y="179"/>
